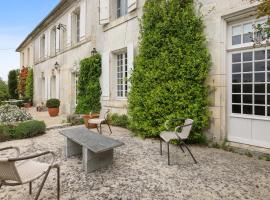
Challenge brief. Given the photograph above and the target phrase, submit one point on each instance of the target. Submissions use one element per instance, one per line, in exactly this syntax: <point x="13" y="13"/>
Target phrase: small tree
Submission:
<point x="168" y="80"/>
<point x="13" y="84"/>
<point x="89" y="90"/>
<point x="22" y="81"/>
<point x="3" y="90"/>
<point x="29" y="88"/>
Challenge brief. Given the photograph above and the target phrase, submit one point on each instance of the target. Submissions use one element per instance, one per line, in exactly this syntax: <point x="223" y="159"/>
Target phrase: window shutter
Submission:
<point x="49" y="43"/>
<point x="130" y="57"/>
<point x="57" y="40"/>
<point x="82" y="20"/>
<point x="106" y="75"/>
<point x="104" y="12"/>
<point x="69" y="30"/>
<point x="46" y="45"/>
<point x="132" y="5"/>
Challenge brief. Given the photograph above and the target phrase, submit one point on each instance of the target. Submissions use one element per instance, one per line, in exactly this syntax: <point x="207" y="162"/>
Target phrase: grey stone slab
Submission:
<point x="93" y="141"/>
<point x="72" y="148"/>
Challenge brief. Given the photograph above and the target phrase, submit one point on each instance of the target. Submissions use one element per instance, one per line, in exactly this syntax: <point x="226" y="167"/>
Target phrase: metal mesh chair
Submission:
<point x="168" y="136"/>
<point x="100" y="121"/>
<point x="22" y="170"/>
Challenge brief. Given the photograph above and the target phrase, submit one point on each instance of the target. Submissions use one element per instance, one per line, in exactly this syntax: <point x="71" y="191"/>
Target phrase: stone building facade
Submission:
<point x="239" y="77"/>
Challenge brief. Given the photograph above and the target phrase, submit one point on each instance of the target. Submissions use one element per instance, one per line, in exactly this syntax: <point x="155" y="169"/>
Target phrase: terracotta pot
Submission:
<point x="86" y="119"/>
<point x="27" y="105"/>
<point x="53" y="112"/>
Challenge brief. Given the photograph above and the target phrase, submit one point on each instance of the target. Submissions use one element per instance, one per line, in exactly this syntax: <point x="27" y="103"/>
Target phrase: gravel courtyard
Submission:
<point x="139" y="172"/>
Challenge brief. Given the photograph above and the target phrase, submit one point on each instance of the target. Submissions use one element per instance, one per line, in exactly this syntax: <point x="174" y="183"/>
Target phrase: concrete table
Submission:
<point x="96" y="149"/>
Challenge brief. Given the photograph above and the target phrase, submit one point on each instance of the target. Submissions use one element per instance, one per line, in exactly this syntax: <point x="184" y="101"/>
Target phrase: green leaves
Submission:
<point x="170" y="70"/>
<point x="89" y="85"/>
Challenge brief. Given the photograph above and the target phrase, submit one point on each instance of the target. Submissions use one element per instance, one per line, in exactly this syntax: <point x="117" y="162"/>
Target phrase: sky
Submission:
<point x="17" y="19"/>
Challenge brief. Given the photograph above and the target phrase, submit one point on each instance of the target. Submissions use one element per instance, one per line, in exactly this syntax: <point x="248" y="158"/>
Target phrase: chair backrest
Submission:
<point x="8" y="171"/>
<point x="186" y="129"/>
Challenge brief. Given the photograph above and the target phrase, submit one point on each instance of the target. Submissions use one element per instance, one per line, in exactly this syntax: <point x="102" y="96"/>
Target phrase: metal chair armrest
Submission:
<point x="172" y="120"/>
<point x="178" y="127"/>
<point x="35" y="156"/>
<point x="11" y="147"/>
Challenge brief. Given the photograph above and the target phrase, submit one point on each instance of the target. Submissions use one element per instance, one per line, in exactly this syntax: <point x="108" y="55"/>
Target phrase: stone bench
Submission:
<point x="96" y="149"/>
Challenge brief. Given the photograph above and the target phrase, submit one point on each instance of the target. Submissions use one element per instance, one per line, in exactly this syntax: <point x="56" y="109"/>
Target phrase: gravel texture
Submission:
<point x="139" y="172"/>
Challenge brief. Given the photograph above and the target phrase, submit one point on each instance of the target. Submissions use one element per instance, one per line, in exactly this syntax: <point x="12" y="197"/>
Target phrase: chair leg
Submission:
<point x="100" y="129"/>
<point x="1" y="184"/>
<point x="30" y="188"/>
<point x="190" y="153"/>
<point x="42" y="184"/>
<point x="58" y="182"/>
<point x="109" y="127"/>
<point x="168" y="147"/>
<point x="180" y="145"/>
<point x="160" y="146"/>
<point x="97" y="128"/>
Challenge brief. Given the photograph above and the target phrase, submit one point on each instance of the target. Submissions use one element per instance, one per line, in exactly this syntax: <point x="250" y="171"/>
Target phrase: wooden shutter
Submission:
<point x="104" y="11"/>
<point x="130" y="57"/>
<point x="69" y="30"/>
<point x="57" y="40"/>
<point x="106" y="75"/>
<point x="132" y="5"/>
<point x="82" y="19"/>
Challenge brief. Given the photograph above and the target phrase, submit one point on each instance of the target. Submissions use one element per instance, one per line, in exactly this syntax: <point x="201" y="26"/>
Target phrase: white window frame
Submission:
<point x="122" y="75"/>
<point x="42" y="46"/>
<point x="76" y="26"/>
<point x="53" y="41"/>
<point x="122" y="9"/>
<point x="242" y="48"/>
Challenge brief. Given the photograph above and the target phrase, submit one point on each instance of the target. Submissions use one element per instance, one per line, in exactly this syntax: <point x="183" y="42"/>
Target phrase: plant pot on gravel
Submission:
<point x="86" y="119"/>
<point x="53" y="107"/>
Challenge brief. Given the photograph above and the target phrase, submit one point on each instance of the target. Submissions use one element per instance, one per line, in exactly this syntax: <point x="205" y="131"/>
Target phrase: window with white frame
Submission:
<point x="122" y="8"/>
<point x="122" y="75"/>
<point x="76" y="26"/>
<point x="42" y="46"/>
<point x="53" y="41"/>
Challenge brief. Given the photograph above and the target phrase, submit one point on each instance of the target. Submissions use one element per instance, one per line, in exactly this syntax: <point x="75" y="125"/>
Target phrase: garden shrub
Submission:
<point x="13" y="114"/>
<point x="89" y="90"/>
<point x="13" y="84"/>
<point x="52" y="103"/>
<point x="75" y="119"/>
<point x="4" y="132"/>
<point x="119" y="120"/>
<point x="22" y="81"/>
<point x="29" y="88"/>
<point x="169" y="76"/>
<point x="3" y="90"/>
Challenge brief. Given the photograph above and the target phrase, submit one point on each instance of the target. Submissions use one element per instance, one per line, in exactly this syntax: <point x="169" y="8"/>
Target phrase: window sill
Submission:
<point x="119" y="21"/>
<point x="265" y="118"/>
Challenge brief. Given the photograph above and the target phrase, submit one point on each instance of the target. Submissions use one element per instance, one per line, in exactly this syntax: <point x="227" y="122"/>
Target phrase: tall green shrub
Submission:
<point x="13" y="84"/>
<point x="170" y="71"/>
<point x="89" y="90"/>
<point x="3" y="90"/>
<point x="29" y="88"/>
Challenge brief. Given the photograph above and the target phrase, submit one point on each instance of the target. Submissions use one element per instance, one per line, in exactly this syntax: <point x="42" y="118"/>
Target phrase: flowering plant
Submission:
<point x="13" y="114"/>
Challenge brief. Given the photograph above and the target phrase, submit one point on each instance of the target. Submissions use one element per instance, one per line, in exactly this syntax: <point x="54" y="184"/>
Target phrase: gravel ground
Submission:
<point x="139" y="172"/>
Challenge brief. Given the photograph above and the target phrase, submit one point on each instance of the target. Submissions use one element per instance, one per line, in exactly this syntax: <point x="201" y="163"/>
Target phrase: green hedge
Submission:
<point x="169" y="76"/>
<point x="52" y="103"/>
<point x="26" y="129"/>
<point x="89" y="90"/>
<point x="119" y="120"/>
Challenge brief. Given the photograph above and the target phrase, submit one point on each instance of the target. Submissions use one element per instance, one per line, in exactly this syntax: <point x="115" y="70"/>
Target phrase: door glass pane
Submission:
<point x="259" y="99"/>
<point x="268" y="88"/>
<point x="260" y="77"/>
<point x="248" y="56"/>
<point x="236" y="35"/>
<point x="268" y="99"/>
<point x="236" y="68"/>
<point x="236" y="98"/>
<point x="268" y="77"/>
<point x="260" y="66"/>
<point x="247" y="109"/>
<point x="236" y="108"/>
<point x="268" y="111"/>
<point x="236" y="89"/>
<point x="247" y="88"/>
<point x="268" y="65"/>
<point x="247" y="99"/>
<point x="259" y="88"/>
<point x="236" y="78"/>
<point x="247" y="67"/>
<point x="259" y="110"/>
<point x="236" y="57"/>
<point x="268" y="54"/>
<point x="247" y="78"/>
<point x="260" y="55"/>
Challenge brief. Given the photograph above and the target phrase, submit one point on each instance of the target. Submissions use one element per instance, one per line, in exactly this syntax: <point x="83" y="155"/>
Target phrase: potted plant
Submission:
<point x="27" y="102"/>
<point x="90" y="116"/>
<point x="53" y="107"/>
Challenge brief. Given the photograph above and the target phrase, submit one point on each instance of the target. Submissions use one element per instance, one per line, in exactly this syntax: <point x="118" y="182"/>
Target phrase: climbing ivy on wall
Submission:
<point x="29" y="87"/>
<point x="170" y="71"/>
<point x="89" y="90"/>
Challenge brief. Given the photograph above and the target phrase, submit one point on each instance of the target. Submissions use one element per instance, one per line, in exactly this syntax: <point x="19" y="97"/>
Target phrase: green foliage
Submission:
<point x="3" y="90"/>
<point x="13" y="84"/>
<point x="89" y="90"/>
<point x="22" y="130"/>
<point x="53" y="103"/>
<point x="119" y="120"/>
<point x="13" y="114"/>
<point x="29" y="88"/>
<point x="75" y="119"/>
<point x="168" y="80"/>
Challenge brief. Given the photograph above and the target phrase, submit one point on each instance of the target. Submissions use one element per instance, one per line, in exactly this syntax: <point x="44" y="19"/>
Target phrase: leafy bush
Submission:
<point x="4" y="132"/>
<point x="13" y="114"/>
<point x="13" y="84"/>
<point x="3" y="90"/>
<point x="29" y="88"/>
<point x="75" y="119"/>
<point x="119" y="120"/>
<point x="168" y="80"/>
<point x="89" y="90"/>
<point x="53" y="103"/>
<point x="22" y="80"/>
